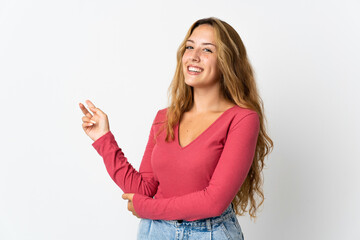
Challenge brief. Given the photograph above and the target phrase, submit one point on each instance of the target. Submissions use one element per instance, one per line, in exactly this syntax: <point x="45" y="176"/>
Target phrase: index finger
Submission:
<point x="85" y="111"/>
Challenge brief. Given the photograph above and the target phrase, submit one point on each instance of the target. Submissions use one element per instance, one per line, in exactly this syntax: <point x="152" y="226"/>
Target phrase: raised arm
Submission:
<point x="230" y="173"/>
<point x="121" y="171"/>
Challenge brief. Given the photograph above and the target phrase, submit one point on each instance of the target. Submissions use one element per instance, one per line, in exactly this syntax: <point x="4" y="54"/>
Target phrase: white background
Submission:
<point x="121" y="55"/>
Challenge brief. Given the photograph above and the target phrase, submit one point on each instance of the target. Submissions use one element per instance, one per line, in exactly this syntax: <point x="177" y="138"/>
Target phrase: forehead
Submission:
<point x="203" y="33"/>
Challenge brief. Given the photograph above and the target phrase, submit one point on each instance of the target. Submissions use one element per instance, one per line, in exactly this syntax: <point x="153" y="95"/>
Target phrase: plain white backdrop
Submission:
<point x="121" y="55"/>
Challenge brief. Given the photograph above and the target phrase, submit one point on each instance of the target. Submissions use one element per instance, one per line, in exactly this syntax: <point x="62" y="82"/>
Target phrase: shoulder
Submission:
<point x="244" y="115"/>
<point x="162" y="111"/>
<point x="243" y="112"/>
<point x="160" y="116"/>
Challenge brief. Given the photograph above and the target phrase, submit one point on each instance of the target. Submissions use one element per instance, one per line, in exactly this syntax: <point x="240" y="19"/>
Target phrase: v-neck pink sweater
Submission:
<point x="192" y="182"/>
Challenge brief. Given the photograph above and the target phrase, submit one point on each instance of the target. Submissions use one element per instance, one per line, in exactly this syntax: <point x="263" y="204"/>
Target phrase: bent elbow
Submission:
<point x="218" y="209"/>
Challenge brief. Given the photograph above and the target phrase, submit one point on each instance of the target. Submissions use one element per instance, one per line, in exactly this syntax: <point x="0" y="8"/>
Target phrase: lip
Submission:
<point x="194" y="73"/>
<point x="195" y="67"/>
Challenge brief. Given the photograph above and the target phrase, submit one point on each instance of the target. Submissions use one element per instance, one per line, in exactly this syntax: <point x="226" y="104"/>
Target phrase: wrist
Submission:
<point x="101" y="135"/>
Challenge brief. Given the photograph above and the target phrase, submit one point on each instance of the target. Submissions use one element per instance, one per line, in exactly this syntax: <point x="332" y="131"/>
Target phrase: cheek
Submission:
<point x="183" y="63"/>
<point x="214" y="64"/>
<point x="184" y="57"/>
<point x="183" y="60"/>
<point x="209" y="61"/>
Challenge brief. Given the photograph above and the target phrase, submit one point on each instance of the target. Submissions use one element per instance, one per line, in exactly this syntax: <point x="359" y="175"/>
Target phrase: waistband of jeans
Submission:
<point x="205" y="221"/>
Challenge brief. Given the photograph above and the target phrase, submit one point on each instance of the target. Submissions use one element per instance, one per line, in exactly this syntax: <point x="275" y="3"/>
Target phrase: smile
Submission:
<point x="194" y="70"/>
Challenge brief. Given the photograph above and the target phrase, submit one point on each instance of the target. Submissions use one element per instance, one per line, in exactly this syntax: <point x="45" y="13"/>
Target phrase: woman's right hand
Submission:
<point x="95" y="125"/>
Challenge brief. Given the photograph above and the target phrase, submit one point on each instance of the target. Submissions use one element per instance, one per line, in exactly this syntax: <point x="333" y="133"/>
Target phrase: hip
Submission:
<point x="226" y="226"/>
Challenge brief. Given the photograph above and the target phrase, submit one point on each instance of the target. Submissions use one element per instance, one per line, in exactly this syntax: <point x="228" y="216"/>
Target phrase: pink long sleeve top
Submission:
<point x="189" y="182"/>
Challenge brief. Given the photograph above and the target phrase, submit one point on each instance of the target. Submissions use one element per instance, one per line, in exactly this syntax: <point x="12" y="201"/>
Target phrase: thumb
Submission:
<point x="124" y="196"/>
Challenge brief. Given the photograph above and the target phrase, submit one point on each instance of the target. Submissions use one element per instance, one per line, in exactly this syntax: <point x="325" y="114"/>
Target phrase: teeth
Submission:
<point x="193" y="69"/>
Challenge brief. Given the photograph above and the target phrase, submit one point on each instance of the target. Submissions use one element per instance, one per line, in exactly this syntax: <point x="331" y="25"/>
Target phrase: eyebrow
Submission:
<point x="189" y="40"/>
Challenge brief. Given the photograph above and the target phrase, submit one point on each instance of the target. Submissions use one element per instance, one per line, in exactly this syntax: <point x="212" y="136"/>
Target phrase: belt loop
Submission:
<point x="208" y="224"/>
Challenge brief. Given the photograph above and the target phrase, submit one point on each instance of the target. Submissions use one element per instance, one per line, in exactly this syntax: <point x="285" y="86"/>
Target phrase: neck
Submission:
<point x="208" y="100"/>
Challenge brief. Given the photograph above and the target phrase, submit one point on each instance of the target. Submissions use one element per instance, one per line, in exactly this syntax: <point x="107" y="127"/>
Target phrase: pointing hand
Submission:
<point x="96" y="124"/>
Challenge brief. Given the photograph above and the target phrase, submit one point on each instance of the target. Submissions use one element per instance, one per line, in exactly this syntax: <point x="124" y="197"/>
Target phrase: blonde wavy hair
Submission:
<point x="238" y="86"/>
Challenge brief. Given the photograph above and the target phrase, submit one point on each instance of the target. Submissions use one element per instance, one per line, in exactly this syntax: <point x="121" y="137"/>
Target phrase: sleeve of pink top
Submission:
<point x="230" y="173"/>
<point x="122" y="172"/>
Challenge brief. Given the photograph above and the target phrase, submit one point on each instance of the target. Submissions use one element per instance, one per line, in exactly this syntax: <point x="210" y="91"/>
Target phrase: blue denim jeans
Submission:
<point x="225" y="226"/>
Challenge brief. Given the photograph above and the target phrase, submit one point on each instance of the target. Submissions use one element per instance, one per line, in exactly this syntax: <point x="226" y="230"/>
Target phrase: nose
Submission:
<point x="195" y="56"/>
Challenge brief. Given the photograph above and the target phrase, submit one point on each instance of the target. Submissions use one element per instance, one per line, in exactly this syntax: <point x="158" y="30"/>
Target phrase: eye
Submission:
<point x="206" y="49"/>
<point x="188" y="47"/>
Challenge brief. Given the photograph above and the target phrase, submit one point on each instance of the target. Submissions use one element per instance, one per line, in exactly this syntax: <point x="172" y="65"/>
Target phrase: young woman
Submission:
<point x="205" y="153"/>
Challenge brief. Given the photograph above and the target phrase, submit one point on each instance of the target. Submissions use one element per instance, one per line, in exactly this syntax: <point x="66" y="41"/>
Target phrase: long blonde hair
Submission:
<point x="238" y="86"/>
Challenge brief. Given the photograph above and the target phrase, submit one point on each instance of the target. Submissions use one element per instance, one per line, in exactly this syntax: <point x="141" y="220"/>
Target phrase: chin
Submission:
<point x="193" y="84"/>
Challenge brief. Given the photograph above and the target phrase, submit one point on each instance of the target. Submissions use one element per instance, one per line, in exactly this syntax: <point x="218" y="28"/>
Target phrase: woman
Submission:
<point x="205" y="153"/>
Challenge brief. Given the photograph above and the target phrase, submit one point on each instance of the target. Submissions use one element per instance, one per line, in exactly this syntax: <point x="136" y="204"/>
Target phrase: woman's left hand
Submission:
<point x="130" y="196"/>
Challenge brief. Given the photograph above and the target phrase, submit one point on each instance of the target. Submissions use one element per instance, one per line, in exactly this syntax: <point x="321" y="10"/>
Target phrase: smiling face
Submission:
<point x="200" y="58"/>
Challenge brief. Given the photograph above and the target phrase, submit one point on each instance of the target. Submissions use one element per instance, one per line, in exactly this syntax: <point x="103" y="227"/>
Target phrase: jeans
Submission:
<point x="225" y="226"/>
